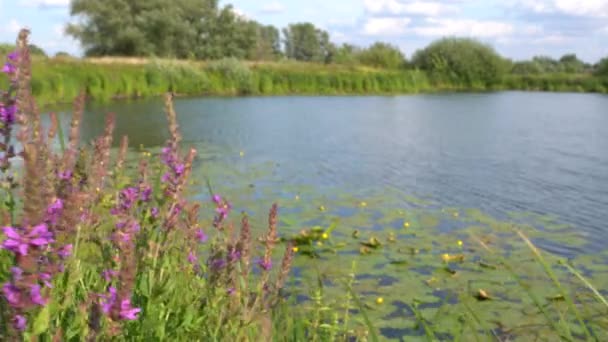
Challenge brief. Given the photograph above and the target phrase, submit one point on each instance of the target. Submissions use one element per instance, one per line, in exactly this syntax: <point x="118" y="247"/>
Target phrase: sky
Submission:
<point x="518" y="29"/>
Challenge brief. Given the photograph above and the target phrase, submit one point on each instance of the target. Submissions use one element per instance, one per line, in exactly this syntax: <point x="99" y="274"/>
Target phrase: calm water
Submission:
<point x="502" y="152"/>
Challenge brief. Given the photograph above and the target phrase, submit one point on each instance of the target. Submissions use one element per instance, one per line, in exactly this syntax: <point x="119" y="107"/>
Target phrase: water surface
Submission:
<point x="499" y="152"/>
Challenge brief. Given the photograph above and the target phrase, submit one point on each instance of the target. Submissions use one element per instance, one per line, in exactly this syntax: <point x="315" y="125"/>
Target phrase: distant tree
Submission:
<point x="601" y="68"/>
<point x="305" y="42"/>
<point x="382" y="55"/>
<point x="547" y="64"/>
<point x="267" y="45"/>
<point x="571" y="64"/>
<point x="526" y="68"/>
<point x="34" y="49"/>
<point x="462" y="60"/>
<point x="347" y="54"/>
<point x="62" y="54"/>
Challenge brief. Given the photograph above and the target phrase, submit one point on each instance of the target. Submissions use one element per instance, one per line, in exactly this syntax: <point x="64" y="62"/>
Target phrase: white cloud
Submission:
<point x="386" y="26"/>
<point x="274" y="7"/>
<point x="45" y="3"/>
<point x="464" y="27"/>
<point x="13" y="26"/>
<point x="399" y="7"/>
<point x="583" y="8"/>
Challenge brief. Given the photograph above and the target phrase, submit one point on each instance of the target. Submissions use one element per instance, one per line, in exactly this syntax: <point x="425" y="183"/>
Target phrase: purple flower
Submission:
<point x="54" y="210"/>
<point x="127" y="312"/>
<point x="12" y="294"/>
<point x="217" y="199"/>
<point x="39" y="236"/>
<point x="179" y="169"/>
<point x="192" y="258"/>
<point x="64" y="175"/>
<point x="265" y="265"/>
<point x="9" y="68"/>
<point x="108" y="300"/>
<point x="165" y="178"/>
<point x="17" y="273"/>
<point x="13" y="56"/>
<point x="217" y="264"/>
<point x="234" y="255"/>
<point x="231" y="291"/>
<point x="65" y="251"/>
<point x="7" y="114"/>
<point x="201" y="236"/>
<point x="109" y="274"/>
<point x="19" y="322"/>
<point x="35" y="295"/>
<point x="146" y="194"/>
<point x="154" y="212"/>
<point x="46" y="279"/>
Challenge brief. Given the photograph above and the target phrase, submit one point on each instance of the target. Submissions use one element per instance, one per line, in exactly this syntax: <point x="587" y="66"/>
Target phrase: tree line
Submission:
<point x="204" y="30"/>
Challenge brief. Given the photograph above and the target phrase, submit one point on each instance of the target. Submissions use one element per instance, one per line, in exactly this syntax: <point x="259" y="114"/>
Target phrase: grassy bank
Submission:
<point x="60" y="80"/>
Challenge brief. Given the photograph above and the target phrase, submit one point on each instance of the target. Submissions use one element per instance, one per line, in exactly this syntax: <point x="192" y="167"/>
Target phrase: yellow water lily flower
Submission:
<point x="319" y="243"/>
<point x="363" y="204"/>
<point x="297" y="197"/>
<point x="406" y="224"/>
<point x="460" y="243"/>
<point x="295" y="249"/>
<point x="445" y="257"/>
<point x="456" y="214"/>
<point x="379" y="300"/>
<point x="322" y="208"/>
<point x="325" y="236"/>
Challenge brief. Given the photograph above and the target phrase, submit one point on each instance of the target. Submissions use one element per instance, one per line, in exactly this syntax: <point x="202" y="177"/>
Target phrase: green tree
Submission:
<point x="462" y="60"/>
<point x="601" y="68"/>
<point x="382" y="55"/>
<point x="347" y="54"/>
<point x="305" y="42"/>
<point x="571" y="64"/>
<point x="267" y="44"/>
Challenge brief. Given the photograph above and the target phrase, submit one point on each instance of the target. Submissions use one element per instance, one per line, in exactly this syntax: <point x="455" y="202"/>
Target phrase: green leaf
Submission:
<point x="41" y="323"/>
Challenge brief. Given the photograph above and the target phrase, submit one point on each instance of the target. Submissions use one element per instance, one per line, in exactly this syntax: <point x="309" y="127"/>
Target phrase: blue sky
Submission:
<point x="518" y="29"/>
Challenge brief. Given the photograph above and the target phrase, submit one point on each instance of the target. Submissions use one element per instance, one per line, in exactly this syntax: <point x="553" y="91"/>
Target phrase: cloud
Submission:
<point x="439" y="27"/>
<point x="407" y="7"/>
<point x="12" y="26"/>
<point x="274" y="7"/>
<point x="385" y="26"/>
<point x="45" y="3"/>
<point x="586" y="8"/>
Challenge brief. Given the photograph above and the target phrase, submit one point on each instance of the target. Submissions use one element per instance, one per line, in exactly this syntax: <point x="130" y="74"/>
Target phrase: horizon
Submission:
<point x="517" y="29"/>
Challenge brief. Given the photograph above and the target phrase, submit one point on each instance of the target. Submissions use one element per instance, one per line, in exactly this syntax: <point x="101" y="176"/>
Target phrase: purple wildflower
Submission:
<point x="109" y="274"/>
<point x="9" y="68"/>
<point x="12" y="294"/>
<point x="64" y="175"/>
<point x="217" y="264"/>
<point x="19" y="322"/>
<point x="146" y="194"/>
<point x="127" y="312"/>
<point x="7" y="114"/>
<point x="54" y="210"/>
<point x="107" y="300"/>
<point x="201" y="236"/>
<point x="65" y="251"/>
<point x="17" y="273"/>
<point x="217" y="199"/>
<point x="46" y="279"/>
<point x="265" y="265"/>
<point x="39" y="236"/>
<point x="192" y="258"/>
<point x="231" y="291"/>
<point x="234" y="255"/>
<point x="154" y="212"/>
<point x="179" y="169"/>
<point x="35" y="295"/>
<point x="12" y="56"/>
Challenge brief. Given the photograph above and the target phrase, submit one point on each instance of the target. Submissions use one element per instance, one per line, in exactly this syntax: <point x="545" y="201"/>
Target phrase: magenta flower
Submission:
<point x="35" y="295"/>
<point x="12" y="294"/>
<point x="7" y="114"/>
<point x="192" y="258"/>
<point x="217" y="199"/>
<point x="154" y="212"/>
<point x="19" y="322"/>
<point x="127" y="312"/>
<point x="201" y="236"/>
<point x="266" y="266"/>
<point x="65" y="251"/>
<point x="17" y="273"/>
<point x="12" y="56"/>
<point x="46" y="279"/>
<point x="108" y="300"/>
<point x="234" y="255"/>
<point x="146" y="194"/>
<point x="54" y="211"/>
<point x="9" y="68"/>
<point x="108" y="275"/>
<point x="64" y="175"/>
<point x="39" y="236"/>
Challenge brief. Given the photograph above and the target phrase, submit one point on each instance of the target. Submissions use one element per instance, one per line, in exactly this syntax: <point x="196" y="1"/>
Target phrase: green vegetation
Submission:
<point x="101" y="244"/>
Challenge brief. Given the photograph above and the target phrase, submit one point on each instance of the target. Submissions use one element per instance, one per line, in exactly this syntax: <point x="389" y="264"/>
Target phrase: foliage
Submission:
<point x="461" y="61"/>
<point x="35" y="50"/>
<point x="601" y="68"/>
<point x="305" y="42"/>
<point x="382" y="55"/>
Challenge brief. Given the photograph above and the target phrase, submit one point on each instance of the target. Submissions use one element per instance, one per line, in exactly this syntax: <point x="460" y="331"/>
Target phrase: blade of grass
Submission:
<point x="557" y="283"/>
<point x="586" y="282"/>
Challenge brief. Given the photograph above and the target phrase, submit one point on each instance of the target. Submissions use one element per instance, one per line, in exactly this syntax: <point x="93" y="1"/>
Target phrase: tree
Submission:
<point x="571" y="64"/>
<point x="267" y="46"/>
<point x="178" y="28"/>
<point x="462" y="60"/>
<point x="305" y="42"/>
<point x="382" y="55"/>
<point x="347" y="54"/>
<point x="601" y="68"/>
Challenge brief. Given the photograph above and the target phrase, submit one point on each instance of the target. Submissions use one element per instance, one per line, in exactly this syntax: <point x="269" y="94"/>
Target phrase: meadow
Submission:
<point x="110" y="244"/>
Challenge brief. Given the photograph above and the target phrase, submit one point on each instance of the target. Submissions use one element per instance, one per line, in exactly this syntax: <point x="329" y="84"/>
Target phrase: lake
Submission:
<point x="502" y="153"/>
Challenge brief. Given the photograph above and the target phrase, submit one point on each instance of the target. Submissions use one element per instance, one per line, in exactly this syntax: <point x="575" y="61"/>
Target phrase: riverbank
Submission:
<point x="58" y="80"/>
